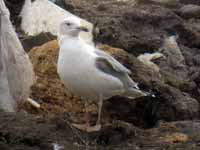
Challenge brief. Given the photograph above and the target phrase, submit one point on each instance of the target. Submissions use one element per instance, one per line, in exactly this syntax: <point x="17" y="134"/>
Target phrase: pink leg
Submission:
<point x="100" y="104"/>
<point x="97" y="127"/>
<point x="86" y="126"/>
<point x="86" y="119"/>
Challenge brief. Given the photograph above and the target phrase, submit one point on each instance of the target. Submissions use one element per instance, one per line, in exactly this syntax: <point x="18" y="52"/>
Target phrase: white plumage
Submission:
<point x="89" y="72"/>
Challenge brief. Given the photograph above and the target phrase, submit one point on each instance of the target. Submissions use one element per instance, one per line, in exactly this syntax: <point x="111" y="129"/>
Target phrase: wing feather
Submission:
<point x="105" y="62"/>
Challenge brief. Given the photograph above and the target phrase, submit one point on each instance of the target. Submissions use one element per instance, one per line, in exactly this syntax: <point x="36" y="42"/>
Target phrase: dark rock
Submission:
<point x="138" y="24"/>
<point x="188" y="33"/>
<point x="170" y="104"/>
<point x="68" y="6"/>
<point x="189" y="11"/>
<point x="164" y="3"/>
<point x="138" y="29"/>
<point x="19" y="131"/>
<point x="15" y="7"/>
<point x="32" y="41"/>
<point x="176" y="105"/>
<point x="195" y="2"/>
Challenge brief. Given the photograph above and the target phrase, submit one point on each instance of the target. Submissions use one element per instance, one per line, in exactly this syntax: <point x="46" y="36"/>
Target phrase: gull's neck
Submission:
<point x="63" y="39"/>
<point x="67" y="37"/>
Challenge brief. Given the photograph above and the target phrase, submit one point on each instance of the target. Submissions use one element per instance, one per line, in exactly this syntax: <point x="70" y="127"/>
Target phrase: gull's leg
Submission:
<point x="100" y="104"/>
<point x="86" y="126"/>
<point x="87" y="117"/>
<point x="97" y="127"/>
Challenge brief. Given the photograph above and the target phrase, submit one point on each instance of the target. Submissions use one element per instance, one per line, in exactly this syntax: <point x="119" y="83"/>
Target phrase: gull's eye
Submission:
<point x="68" y="24"/>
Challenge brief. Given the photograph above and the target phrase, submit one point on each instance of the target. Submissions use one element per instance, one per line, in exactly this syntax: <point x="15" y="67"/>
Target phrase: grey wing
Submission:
<point x="111" y="66"/>
<point x="107" y="60"/>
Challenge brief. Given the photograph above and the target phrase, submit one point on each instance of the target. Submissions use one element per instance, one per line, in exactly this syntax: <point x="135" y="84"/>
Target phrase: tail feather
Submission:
<point x="135" y="93"/>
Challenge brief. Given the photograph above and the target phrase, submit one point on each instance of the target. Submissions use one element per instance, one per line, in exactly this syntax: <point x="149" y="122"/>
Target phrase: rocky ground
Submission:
<point x="167" y="122"/>
<point x="29" y="132"/>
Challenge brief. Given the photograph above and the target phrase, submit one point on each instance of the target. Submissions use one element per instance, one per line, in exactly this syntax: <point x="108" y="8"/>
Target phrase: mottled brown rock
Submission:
<point x="189" y="11"/>
<point x="170" y="102"/>
<point x="48" y="88"/>
<point x="20" y="131"/>
<point x="136" y="29"/>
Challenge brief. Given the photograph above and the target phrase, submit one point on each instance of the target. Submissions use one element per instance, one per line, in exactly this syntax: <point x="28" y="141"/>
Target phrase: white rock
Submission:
<point x="147" y="60"/>
<point x="33" y="103"/>
<point x="57" y="147"/>
<point x="44" y="16"/>
<point x="172" y="52"/>
<point x="16" y="71"/>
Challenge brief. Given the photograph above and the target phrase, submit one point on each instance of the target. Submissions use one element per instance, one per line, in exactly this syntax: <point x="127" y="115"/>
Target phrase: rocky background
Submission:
<point x="124" y="29"/>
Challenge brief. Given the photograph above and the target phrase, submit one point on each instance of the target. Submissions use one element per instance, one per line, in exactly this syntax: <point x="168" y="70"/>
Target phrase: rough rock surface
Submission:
<point x="170" y="103"/>
<point x="190" y="11"/>
<point x="140" y="28"/>
<point x="27" y="132"/>
<point x="135" y="28"/>
<point x="48" y="90"/>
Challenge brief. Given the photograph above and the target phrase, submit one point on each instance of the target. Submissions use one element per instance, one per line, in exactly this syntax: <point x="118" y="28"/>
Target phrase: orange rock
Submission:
<point x="48" y="89"/>
<point x="176" y="138"/>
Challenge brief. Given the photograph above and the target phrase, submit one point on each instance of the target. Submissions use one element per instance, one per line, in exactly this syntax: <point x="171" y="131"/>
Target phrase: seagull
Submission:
<point x="90" y="73"/>
<point x="86" y="36"/>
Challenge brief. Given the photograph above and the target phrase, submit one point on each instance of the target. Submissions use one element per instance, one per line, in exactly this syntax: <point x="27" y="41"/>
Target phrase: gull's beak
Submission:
<point x="82" y="28"/>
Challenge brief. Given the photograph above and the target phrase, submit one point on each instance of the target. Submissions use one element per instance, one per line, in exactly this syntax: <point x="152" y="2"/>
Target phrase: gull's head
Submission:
<point x="72" y="27"/>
